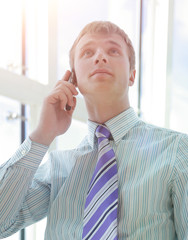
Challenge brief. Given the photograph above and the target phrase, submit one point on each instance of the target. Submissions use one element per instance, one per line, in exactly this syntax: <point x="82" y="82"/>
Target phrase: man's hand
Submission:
<point x="55" y="119"/>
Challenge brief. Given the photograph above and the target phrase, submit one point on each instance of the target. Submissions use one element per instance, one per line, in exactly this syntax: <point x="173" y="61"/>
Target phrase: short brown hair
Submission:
<point x="103" y="27"/>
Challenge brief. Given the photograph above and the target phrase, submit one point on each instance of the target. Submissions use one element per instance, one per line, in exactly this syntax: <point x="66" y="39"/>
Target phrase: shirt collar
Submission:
<point x="118" y="126"/>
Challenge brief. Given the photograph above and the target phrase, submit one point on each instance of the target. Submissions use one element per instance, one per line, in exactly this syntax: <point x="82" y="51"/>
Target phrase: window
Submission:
<point x="154" y="61"/>
<point x="178" y="89"/>
<point x="164" y="86"/>
<point x="36" y="27"/>
<point x="160" y="93"/>
<point x="10" y="127"/>
<point x="11" y="35"/>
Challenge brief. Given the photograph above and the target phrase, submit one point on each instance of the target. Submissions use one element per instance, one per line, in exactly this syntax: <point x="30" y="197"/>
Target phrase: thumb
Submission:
<point x="74" y="104"/>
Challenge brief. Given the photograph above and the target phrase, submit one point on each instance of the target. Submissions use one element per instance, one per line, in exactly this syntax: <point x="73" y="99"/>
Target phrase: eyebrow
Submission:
<point x="114" y="43"/>
<point x="108" y="41"/>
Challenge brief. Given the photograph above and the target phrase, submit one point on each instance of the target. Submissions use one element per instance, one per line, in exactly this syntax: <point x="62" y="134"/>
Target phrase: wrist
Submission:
<point x="41" y="137"/>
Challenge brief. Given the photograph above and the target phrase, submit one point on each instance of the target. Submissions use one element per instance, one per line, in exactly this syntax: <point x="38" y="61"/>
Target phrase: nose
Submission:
<point x="100" y="57"/>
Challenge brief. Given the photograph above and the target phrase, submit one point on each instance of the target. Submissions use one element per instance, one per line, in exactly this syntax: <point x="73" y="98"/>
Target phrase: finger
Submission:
<point x="67" y="75"/>
<point x="64" y="96"/>
<point x="74" y="105"/>
<point x="68" y="93"/>
<point x="69" y="85"/>
<point x="68" y="90"/>
<point x="57" y="97"/>
<point x="62" y="84"/>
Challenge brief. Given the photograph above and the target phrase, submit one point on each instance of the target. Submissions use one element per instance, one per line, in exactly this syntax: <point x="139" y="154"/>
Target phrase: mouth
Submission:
<point x="101" y="71"/>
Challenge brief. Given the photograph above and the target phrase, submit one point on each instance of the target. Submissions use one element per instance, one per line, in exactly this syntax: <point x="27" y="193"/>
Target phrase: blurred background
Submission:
<point x="35" y="38"/>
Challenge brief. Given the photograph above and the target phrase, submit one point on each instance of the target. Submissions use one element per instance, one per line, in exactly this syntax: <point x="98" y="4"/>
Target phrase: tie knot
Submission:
<point x="102" y="131"/>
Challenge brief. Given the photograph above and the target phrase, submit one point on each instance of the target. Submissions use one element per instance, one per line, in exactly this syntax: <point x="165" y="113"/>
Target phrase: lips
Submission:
<point x="101" y="70"/>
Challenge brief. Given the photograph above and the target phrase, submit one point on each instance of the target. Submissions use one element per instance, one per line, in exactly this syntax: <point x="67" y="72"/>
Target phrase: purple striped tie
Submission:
<point x="100" y="213"/>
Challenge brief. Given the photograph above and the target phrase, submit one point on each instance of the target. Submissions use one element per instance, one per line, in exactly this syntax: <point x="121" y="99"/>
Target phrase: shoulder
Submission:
<point x="176" y="143"/>
<point x="163" y="133"/>
<point x="168" y="141"/>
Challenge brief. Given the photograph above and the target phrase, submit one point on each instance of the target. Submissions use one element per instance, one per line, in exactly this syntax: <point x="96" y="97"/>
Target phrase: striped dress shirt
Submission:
<point x="152" y="177"/>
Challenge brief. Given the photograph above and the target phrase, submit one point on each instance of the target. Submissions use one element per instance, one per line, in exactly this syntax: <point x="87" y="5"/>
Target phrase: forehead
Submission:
<point x="101" y="38"/>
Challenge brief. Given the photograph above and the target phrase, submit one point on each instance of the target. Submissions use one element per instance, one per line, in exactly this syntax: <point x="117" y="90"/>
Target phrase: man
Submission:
<point x="152" y="163"/>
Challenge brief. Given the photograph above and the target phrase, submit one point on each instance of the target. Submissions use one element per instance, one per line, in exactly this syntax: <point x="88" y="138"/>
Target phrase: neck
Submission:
<point x="102" y="110"/>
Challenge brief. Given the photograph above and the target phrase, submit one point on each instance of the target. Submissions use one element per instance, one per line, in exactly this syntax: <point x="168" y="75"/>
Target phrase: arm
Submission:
<point x="180" y="190"/>
<point x="23" y="198"/>
<point x="54" y="119"/>
<point x="25" y="193"/>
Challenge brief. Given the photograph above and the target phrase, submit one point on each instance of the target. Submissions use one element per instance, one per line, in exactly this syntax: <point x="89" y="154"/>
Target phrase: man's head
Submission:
<point x="103" y="62"/>
<point x="108" y="28"/>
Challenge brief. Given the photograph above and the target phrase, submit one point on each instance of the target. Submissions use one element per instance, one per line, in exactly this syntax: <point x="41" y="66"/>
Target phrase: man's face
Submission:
<point x="102" y="65"/>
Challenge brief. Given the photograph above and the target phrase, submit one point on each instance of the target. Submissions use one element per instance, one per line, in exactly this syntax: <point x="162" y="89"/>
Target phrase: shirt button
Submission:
<point x="23" y="152"/>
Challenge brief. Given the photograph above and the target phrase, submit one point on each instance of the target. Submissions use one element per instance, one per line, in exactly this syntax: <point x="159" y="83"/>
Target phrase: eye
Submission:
<point x="87" y="53"/>
<point x="114" y="51"/>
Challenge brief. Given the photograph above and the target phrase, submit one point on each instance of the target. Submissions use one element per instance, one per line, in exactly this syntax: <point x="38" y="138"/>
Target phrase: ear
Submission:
<point x="132" y="77"/>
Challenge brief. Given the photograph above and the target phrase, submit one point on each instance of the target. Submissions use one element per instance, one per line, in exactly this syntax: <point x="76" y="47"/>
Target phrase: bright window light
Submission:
<point x="11" y="35"/>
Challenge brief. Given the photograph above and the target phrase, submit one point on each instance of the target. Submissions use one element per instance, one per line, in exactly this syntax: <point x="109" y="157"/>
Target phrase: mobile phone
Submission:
<point x="71" y="80"/>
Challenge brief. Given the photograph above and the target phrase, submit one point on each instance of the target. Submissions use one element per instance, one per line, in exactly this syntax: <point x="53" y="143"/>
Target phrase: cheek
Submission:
<point x="80" y="79"/>
<point x="81" y="70"/>
<point x="124" y="78"/>
<point x="78" y="71"/>
<point x="123" y="70"/>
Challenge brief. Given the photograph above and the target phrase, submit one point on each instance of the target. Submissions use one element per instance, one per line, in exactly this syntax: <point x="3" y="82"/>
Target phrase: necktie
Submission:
<point x="100" y="213"/>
